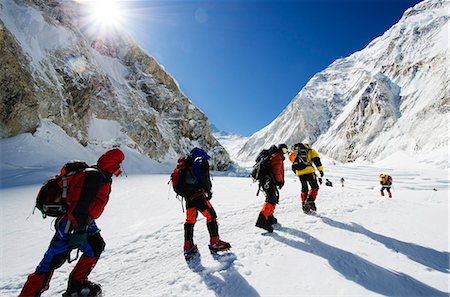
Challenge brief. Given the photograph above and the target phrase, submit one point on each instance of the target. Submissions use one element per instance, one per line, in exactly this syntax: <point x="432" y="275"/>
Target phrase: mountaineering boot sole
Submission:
<point x="220" y="246"/>
<point x="98" y="294"/>
<point x="90" y="290"/>
<point x="215" y="252"/>
<point x="268" y="228"/>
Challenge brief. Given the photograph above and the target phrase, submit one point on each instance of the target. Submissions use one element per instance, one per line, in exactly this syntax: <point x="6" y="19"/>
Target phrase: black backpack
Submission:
<point x="51" y="199"/>
<point x="262" y="167"/>
<point x="301" y="161"/>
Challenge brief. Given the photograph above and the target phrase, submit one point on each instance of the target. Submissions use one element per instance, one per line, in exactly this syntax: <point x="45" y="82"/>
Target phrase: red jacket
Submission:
<point x="276" y="160"/>
<point x="89" y="190"/>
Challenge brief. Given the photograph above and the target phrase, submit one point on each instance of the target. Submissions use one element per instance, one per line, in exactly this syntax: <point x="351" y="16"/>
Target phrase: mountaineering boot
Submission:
<point x="305" y="207"/>
<point x="272" y="220"/>
<point x="190" y="249"/>
<point x="263" y="223"/>
<point x="219" y="246"/>
<point x="309" y="205"/>
<point x="188" y="254"/>
<point x="86" y="289"/>
<point x="312" y="204"/>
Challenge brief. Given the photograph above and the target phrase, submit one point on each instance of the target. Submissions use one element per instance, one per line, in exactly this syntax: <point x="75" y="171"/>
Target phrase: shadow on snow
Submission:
<point x="231" y="282"/>
<point x="423" y="255"/>
<point x="354" y="268"/>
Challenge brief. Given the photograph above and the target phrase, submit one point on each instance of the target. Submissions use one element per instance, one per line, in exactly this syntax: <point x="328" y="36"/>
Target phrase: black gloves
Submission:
<point x="321" y="173"/>
<point x="208" y="195"/>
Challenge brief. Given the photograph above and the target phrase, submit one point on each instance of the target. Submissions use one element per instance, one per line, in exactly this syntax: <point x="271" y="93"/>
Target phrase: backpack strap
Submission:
<point x="64" y="186"/>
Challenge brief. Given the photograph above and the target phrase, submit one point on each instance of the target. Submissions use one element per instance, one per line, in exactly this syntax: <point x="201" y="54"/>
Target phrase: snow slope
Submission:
<point x="359" y="244"/>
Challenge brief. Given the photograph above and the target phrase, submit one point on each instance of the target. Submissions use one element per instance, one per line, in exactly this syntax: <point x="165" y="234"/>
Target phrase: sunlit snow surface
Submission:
<point x="360" y="244"/>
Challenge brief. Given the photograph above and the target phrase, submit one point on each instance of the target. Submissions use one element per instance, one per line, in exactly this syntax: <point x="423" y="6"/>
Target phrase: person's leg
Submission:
<point x="271" y="218"/>
<point x="265" y="217"/>
<point x="389" y="192"/>
<point x="205" y="207"/>
<point x="382" y="191"/>
<point x="92" y="249"/>
<point x="304" y="194"/>
<point x="54" y="258"/>
<point x="304" y="183"/>
<point x="191" y="219"/>
<point x="312" y="194"/>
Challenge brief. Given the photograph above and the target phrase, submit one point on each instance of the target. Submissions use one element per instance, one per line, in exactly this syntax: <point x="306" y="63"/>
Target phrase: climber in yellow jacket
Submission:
<point x="305" y="161"/>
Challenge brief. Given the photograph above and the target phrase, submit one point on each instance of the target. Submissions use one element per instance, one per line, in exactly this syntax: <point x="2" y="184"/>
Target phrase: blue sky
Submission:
<point x="242" y="62"/>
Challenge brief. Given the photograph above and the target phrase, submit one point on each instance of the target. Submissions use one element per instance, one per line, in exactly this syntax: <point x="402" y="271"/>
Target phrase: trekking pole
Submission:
<point x="168" y="190"/>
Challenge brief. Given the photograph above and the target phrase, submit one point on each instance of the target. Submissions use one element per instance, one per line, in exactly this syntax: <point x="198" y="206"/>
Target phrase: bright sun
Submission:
<point x="106" y="14"/>
<point x="106" y="11"/>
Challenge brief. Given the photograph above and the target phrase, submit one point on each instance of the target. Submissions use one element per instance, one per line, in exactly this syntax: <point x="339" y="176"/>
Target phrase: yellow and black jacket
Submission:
<point x="306" y="166"/>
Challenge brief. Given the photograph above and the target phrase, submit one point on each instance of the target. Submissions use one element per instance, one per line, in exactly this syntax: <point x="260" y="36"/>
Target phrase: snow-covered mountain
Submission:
<point x="56" y="67"/>
<point x="232" y="142"/>
<point x="391" y="96"/>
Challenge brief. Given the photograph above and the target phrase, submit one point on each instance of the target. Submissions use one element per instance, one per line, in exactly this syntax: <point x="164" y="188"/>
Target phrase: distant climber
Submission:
<point x="342" y="181"/>
<point x="386" y="183"/>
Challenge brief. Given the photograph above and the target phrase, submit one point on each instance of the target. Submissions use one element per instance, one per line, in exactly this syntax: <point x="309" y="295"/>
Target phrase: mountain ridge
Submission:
<point x="67" y="73"/>
<point x="359" y="105"/>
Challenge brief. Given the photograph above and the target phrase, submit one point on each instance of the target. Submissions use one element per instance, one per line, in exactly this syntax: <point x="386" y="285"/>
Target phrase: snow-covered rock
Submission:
<point x="54" y="66"/>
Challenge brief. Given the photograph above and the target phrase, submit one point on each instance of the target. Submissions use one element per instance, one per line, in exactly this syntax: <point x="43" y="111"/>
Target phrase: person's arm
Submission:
<point x="91" y="185"/>
<point x="316" y="160"/>
<point x="205" y="176"/>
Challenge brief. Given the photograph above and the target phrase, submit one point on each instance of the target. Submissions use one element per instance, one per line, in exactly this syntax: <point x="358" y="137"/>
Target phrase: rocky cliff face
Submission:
<point x="53" y="67"/>
<point x="391" y="96"/>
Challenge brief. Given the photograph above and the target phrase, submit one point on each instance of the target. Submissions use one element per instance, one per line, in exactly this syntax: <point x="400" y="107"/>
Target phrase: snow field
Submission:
<point x="360" y="244"/>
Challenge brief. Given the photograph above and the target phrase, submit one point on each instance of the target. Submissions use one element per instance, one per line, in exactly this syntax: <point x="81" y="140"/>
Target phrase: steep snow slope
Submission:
<point x="391" y="96"/>
<point x="359" y="244"/>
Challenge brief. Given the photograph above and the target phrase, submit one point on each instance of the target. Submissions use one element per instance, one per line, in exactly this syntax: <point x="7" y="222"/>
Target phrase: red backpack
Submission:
<point x="51" y="200"/>
<point x="183" y="180"/>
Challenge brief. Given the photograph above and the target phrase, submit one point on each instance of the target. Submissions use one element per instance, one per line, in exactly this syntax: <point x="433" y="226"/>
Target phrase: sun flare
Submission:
<point x="106" y="12"/>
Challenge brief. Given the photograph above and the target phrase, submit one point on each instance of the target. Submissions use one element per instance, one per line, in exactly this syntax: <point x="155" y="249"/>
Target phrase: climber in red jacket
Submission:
<point x="87" y="197"/>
